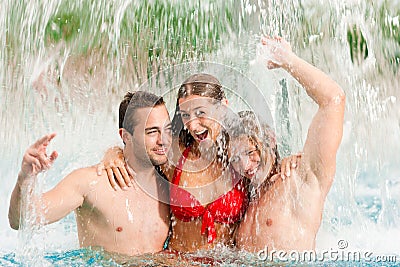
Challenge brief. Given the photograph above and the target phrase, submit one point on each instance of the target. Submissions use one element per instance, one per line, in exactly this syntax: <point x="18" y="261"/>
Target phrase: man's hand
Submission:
<point x="277" y="52"/>
<point x="35" y="159"/>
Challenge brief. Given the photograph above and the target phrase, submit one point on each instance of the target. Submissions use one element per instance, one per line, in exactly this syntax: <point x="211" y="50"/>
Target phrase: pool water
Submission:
<point x="357" y="255"/>
<point x="91" y="257"/>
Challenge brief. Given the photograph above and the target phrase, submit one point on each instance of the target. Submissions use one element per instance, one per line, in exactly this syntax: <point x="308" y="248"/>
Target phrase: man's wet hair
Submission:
<point x="133" y="101"/>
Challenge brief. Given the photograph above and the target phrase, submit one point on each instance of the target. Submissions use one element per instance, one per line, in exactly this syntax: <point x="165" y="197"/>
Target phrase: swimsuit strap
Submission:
<point x="178" y="169"/>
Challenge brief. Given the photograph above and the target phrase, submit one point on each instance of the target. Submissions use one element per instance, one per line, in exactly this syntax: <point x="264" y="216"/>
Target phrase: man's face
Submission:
<point x="151" y="137"/>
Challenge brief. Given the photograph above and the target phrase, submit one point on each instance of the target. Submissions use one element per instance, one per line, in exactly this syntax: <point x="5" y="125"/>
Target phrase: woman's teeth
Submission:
<point x="202" y="134"/>
<point x="252" y="172"/>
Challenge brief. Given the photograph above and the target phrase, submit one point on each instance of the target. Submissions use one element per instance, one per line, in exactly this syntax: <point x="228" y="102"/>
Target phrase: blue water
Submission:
<point x="79" y="257"/>
<point x="89" y="257"/>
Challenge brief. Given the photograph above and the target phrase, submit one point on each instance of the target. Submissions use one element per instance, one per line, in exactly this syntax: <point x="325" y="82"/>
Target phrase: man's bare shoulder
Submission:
<point x="74" y="188"/>
<point x="84" y="176"/>
<point x="84" y="172"/>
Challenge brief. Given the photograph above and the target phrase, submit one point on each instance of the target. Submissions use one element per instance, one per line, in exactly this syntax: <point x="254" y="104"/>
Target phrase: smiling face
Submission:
<point x="245" y="156"/>
<point x="151" y="137"/>
<point x="201" y="116"/>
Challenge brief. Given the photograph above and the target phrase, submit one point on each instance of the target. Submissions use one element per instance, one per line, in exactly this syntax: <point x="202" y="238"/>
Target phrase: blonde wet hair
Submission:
<point x="260" y="134"/>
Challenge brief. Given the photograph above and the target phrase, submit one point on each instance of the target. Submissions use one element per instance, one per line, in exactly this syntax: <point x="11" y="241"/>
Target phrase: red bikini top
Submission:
<point x="228" y="208"/>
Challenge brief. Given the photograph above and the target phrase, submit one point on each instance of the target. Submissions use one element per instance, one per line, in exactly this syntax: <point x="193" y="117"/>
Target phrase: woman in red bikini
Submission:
<point x="207" y="197"/>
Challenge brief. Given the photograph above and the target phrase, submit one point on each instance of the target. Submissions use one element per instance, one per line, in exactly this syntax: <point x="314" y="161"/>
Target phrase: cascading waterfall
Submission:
<point x="67" y="64"/>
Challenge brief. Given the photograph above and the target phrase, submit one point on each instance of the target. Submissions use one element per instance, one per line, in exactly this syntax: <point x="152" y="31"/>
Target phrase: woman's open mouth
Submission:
<point x="202" y="135"/>
<point x="251" y="173"/>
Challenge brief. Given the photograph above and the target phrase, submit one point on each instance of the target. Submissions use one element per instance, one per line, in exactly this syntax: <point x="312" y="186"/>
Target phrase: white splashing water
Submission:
<point x="73" y="86"/>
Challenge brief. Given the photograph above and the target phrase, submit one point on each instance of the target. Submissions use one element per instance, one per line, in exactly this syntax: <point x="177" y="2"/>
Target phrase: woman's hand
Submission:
<point x="118" y="172"/>
<point x="290" y="163"/>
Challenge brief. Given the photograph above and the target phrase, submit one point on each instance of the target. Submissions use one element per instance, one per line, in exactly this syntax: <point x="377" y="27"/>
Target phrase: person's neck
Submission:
<point x="194" y="150"/>
<point x="144" y="176"/>
<point x="265" y="182"/>
<point x="207" y="150"/>
<point x="140" y="168"/>
<point x="200" y="160"/>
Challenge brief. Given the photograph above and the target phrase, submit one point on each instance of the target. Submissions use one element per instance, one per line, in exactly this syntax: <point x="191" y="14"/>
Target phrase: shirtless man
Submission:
<point x="129" y="222"/>
<point x="286" y="214"/>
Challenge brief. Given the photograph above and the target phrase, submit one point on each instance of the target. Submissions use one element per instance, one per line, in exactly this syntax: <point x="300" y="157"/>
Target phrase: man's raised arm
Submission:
<point x="52" y="205"/>
<point x="326" y="129"/>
